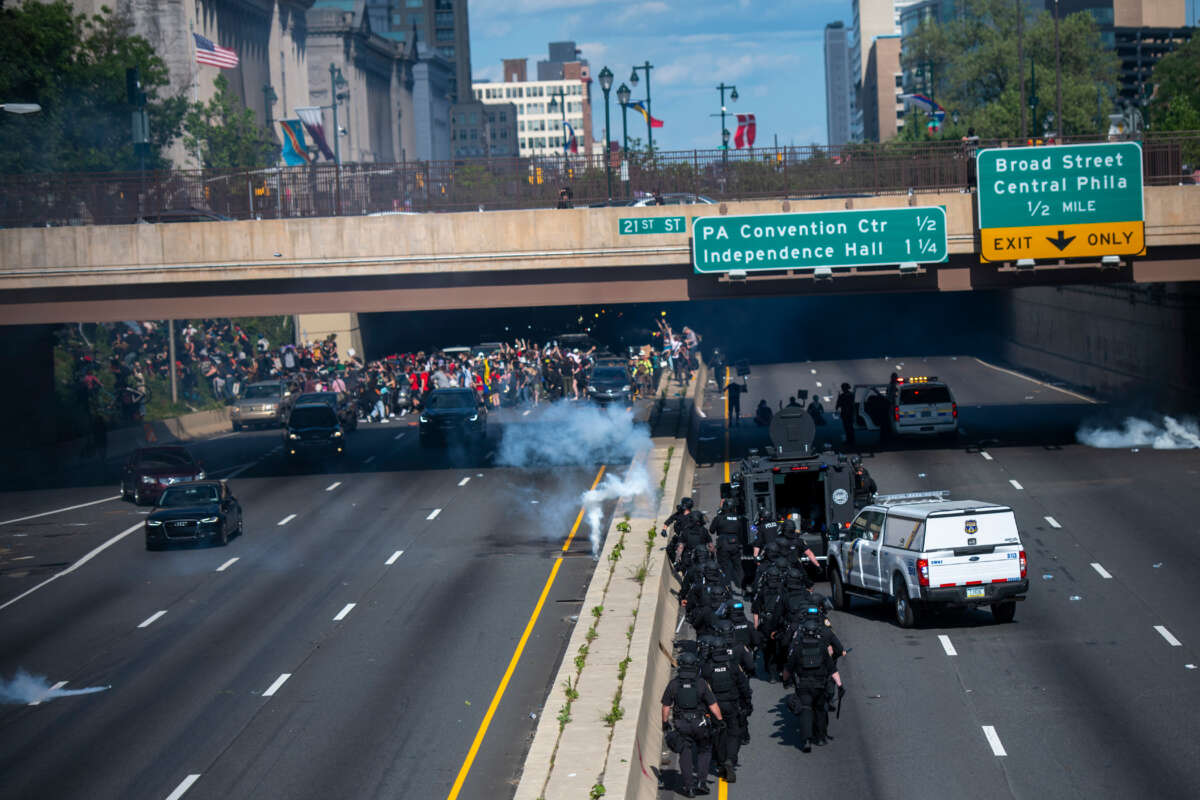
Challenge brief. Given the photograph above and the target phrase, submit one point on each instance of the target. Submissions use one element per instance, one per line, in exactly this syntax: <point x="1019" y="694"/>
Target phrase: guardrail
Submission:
<point x="322" y="190"/>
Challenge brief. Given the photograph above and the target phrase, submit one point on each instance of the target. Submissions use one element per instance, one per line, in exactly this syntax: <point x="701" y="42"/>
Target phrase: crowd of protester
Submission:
<point x="215" y="359"/>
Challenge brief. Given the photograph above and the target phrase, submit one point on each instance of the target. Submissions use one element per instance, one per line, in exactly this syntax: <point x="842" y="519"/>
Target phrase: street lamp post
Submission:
<point x="558" y="100"/>
<point x="733" y="96"/>
<point x="1057" y="79"/>
<point x="623" y="94"/>
<point x="336" y="81"/>
<point x="606" y="79"/>
<point x="633" y="78"/>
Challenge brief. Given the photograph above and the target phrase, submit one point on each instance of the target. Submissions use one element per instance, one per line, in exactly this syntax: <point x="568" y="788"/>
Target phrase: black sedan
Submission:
<point x="194" y="513"/>
<point x="452" y="413"/>
<point x="610" y="383"/>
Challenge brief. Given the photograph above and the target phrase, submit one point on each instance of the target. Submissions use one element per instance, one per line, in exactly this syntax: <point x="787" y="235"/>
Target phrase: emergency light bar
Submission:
<point x="918" y="379"/>
<point x="912" y="497"/>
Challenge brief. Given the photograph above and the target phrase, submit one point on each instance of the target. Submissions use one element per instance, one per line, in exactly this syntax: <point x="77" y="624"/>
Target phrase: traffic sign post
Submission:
<point x="1068" y="201"/>
<point x="870" y="237"/>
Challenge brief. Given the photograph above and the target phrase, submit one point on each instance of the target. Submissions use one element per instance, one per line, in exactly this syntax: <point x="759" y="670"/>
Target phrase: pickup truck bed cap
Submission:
<point x="947" y="508"/>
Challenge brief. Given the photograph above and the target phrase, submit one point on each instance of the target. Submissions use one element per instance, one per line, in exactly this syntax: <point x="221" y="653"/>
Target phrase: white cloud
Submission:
<point x="638" y="12"/>
<point x="593" y="51"/>
<point x="492" y="72"/>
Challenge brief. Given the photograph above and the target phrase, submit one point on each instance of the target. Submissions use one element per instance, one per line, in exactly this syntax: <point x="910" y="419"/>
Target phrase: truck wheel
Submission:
<point x="1004" y="612"/>
<point x="841" y="600"/>
<point x="906" y="614"/>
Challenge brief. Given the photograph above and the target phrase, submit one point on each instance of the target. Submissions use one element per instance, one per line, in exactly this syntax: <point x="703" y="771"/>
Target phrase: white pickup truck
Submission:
<point x="918" y="551"/>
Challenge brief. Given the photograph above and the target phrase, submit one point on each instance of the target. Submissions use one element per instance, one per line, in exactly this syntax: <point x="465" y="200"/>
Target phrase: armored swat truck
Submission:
<point x="816" y="489"/>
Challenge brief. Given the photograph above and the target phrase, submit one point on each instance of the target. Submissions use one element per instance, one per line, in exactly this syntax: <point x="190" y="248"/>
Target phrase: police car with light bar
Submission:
<point x="921" y="550"/>
<point x="922" y="406"/>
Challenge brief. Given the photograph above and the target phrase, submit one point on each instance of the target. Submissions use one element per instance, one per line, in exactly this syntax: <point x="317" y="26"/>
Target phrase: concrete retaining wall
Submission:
<point x="1137" y="346"/>
<point x="123" y="441"/>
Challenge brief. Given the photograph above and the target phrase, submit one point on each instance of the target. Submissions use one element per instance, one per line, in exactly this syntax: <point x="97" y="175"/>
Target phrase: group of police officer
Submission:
<point x="707" y="705"/>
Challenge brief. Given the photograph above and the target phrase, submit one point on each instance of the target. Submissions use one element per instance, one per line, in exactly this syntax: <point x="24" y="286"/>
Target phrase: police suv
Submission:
<point x="921" y="550"/>
<point x="922" y="405"/>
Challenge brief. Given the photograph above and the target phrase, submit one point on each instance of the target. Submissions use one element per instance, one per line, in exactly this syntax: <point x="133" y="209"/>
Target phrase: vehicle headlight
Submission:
<point x="625" y="388"/>
<point x="200" y="475"/>
<point x="152" y="523"/>
<point x="592" y="390"/>
<point x="474" y="418"/>
<point x="148" y="479"/>
<point x="293" y="436"/>
<point x="424" y="418"/>
<point x="337" y="434"/>
<point x="210" y="520"/>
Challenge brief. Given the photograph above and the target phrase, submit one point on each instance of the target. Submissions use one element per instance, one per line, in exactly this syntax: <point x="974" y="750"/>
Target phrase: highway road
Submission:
<point x="1093" y="691"/>
<point x="349" y="645"/>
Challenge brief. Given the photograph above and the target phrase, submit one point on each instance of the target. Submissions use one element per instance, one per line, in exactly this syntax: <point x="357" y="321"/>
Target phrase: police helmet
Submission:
<point x="723" y="627"/>
<point x="738" y="609"/>
<point x="687" y="659"/>
<point x="797" y="577"/>
<point x="687" y="502"/>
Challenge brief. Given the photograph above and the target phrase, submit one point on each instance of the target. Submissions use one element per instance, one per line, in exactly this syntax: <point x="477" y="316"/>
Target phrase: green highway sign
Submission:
<point x="1065" y="201"/>
<point x="870" y="237"/>
<point x="651" y="225"/>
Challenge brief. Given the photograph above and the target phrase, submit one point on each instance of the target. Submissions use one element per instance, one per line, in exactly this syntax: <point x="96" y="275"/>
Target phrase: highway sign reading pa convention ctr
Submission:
<point x="1068" y="201"/>
<point x="854" y="238"/>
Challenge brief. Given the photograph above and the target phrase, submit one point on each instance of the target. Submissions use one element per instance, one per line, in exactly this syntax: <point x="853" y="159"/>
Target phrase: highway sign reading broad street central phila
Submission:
<point x="870" y="237"/>
<point x="1069" y="201"/>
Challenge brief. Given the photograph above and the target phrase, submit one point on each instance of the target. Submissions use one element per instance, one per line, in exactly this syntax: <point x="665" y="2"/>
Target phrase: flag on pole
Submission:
<point x="294" y="152"/>
<point x="313" y="122"/>
<point x="739" y="136"/>
<point x="750" y="130"/>
<point x="214" y="55"/>
<point x="570" y="143"/>
<point x="640" y="107"/>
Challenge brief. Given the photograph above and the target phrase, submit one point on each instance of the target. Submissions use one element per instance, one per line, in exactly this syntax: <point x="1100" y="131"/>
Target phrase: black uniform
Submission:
<point x="732" y="690"/>
<point x="811" y="665"/>
<point x="734" y="391"/>
<point x="689" y="696"/>
<point x="847" y="411"/>
<point x="731" y="535"/>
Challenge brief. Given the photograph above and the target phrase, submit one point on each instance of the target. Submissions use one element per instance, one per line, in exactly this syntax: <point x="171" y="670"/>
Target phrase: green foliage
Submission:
<point x="1176" y="102"/>
<point x="570" y="690"/>
<point x="74" y="67"/>
<point x="971" y="62"/>
<point x="623" y="527"/>
<point x="597" y="791"/>
<point x="597" y="611"/>
<point x="226" y="132"/>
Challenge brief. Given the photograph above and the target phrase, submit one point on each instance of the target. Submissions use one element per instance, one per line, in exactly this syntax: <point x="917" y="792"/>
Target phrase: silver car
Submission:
<point x="260" y="405"/>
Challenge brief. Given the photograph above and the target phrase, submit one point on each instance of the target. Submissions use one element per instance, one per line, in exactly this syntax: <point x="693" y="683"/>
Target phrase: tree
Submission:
<point x="74" y="67"/>
<point x="971" y="64"/>
<point x="1175" y="105"/>
<point x="226" y="132"/>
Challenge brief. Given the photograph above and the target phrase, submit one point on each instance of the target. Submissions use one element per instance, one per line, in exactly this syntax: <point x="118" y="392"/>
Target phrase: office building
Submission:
<point x="837" y="85"/>
<point x="561" y="53"/>
<point x="871" y="18"/>
<point x="480" y="130"/>
<point x="440" y="25"/>
<point x="882" y="108"/>
<point x="540" y="130"/>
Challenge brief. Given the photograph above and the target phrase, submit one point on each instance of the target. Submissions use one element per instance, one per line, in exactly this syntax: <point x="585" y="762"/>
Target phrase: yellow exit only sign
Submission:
<point x="1087" y="240"/>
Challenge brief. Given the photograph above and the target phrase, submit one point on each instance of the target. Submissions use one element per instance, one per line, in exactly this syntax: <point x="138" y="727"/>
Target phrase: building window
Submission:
<point x="504" y="116"/>
<point x="414" y="3"/>
<point x="444" y="19"/>
<point x="448" y="52"/>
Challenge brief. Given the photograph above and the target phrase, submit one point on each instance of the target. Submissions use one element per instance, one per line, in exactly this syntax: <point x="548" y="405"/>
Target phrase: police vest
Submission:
<point x="687" y="694"/>
<point x="721" y="679"/>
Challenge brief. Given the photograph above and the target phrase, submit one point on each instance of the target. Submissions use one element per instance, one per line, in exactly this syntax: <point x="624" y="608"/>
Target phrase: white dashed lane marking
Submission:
<point x="394" y="558"/>
<point x="227" y="564"/>
<point x="183" y="787"/>
<point x="1016" y="485"/>
<point x="53" y="688"/>
<point x="399" y="436"/>
<point x="1052" y="522"/>
<point x="151" y="619"/>
<point x="1101" y="570"/>
<point x="286" y="520"/>
<point x="368" y="459"/>
<point x="341" y="615"/>
<point x="59" y="510"/>
<point x="525" y="413"/>
<point x="464" y="481"/>
<point x="1166" y="634"/>
<point x="986" y="455"/>
<point x="994" y="740"/>
<point x="433" y="514"/>
<point x="333" y="486"/>
<point x="947" y="645"/>
<point x="274" y="687"/>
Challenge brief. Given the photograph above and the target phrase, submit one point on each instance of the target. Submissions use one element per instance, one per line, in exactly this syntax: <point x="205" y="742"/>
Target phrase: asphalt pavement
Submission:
<point x="1092" y="691"/>
<point x="349" y="644"/>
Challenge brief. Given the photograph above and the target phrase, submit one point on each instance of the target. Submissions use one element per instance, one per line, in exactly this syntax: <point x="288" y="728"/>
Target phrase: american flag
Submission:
<point x="214" y="55"/>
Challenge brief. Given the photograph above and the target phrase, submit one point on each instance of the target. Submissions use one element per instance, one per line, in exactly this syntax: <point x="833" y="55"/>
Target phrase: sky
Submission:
<point x="770" y="49"/>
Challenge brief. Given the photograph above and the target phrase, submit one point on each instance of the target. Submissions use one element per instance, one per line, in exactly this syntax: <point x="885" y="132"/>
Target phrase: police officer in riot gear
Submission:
<point x="864" y="485"/>
<point x="688" y="699"/>
<point x="810" y="663"/>
<point x="732" y="690"/>
<point x="730" y="532"/>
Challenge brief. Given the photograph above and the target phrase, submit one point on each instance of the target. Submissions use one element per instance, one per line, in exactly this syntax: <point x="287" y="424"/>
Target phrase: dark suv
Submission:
<point x="452" y="413"/>
<point x="313" y="429"/>
<point x="340" y="402"/>
<point x="610" y="383"/>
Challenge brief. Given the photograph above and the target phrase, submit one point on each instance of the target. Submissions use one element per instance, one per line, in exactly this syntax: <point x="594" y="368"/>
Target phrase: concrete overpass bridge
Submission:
<point x="494" y="259"/>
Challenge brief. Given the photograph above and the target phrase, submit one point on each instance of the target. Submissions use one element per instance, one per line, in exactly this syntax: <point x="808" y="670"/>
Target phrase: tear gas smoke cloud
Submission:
<point x="24" y="689"/>
<point x="568" y="434"/>
<point x="1172" y="434"/>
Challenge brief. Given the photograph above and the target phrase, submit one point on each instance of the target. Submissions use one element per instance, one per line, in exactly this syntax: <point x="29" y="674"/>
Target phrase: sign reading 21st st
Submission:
<point x="870" y="237"/>
<point x="1069" y="201"/>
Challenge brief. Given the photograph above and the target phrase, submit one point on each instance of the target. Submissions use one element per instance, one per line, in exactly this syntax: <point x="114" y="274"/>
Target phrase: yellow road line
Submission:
<point x="726" y="425"/>
<point x="516" y="657"/>
<point x="722" y="789"/>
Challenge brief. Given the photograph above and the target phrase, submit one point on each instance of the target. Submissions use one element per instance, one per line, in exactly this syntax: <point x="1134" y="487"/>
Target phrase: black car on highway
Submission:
<point x="452" y="414"/>
<point x="150" y="470"/>
<point x="340" y="402"/>
<point x="313" y="429"/>
<point x="610" y="383"/>
<point x="194" y="513"/>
